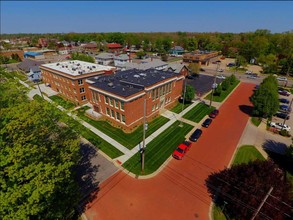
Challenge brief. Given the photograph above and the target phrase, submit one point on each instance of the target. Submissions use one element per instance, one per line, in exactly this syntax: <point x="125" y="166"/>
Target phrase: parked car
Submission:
<point x="285" y="108"/>
<point x="195" y="135"/>
<point x="282" y="115"/>
<point x="190" y="77"/>
<point x="284" y="92"/>
<point x="280" y="126"/>
<point x="251" y="77"/>
<point x="282" y="78"/>
<point x="248" y="72"/>
<point x="221" y="77"/>
<point x="217" y="61"/>
<point x="207" y="122"/>
<point x="231" y="64"/>
<point x="286" y="101"/>
<point x="181" y="150"/>
<point x="220" y="70"/>
<point x="214" y="113"/>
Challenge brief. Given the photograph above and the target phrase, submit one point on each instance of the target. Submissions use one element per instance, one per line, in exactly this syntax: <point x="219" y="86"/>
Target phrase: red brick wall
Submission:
<point x="133" y="110"/>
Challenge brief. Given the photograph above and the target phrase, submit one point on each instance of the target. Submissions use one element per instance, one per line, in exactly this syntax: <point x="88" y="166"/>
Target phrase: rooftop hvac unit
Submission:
<point x="136" y="76"/>
<point x="110" y="84"/>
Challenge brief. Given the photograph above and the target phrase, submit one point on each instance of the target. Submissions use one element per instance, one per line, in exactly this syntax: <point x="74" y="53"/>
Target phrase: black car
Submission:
<point x="282" y="115"/>
<point x="207" y="122"/>
<point x="195" y="135"/>
<point x="190" y="77"/>
<point x="286" y="101"/>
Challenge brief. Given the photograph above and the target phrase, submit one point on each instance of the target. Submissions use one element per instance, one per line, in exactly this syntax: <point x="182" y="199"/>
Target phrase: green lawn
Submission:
<point x="128" y="140"/>
<point x="218" y="214"/>
<point x="178" y="108"/>
<point x="247" y="153"/>
<point x="159" y="149"/>
<point x="224" y="94"/>
<point x="60" y="101"/>
<point x="197" y="113"/>
<point x="103" y="145"/>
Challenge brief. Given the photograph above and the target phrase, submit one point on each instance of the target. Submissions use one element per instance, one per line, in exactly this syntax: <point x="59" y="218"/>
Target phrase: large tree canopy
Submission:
<point x="265" y="99"/>
<point x="37" y="156"/>
<point x="243" y="187"/>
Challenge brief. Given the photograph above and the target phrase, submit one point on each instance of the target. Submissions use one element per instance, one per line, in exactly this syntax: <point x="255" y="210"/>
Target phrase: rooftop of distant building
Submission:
<point x="77" y="67"/>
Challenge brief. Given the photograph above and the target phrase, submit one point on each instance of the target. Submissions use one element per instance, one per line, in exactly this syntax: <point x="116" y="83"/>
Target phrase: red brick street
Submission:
<point x="179" y="191"/>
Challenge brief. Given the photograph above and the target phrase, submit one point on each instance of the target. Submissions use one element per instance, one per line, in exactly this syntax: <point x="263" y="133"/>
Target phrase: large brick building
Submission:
<point x="120" y="96"/>
<point x="68" y="78"/>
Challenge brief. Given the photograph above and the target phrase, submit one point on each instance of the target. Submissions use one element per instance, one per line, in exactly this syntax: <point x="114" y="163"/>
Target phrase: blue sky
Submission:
<point x="148" y="16"/>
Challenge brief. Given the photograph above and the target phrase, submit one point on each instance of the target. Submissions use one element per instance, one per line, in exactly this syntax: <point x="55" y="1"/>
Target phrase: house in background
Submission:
<point x="104" y="58"/>
<point x="27" y="64"/>
<point x="145" y="65"/>
<point x="34" y="73"/>
<point x="114" y="48"/>
<point x="121" y="59"/>
<point x="42" y="42"/>
<point x="178" y="68"/>
<point x="200" y="57"/>
<point x="176" y="51"/>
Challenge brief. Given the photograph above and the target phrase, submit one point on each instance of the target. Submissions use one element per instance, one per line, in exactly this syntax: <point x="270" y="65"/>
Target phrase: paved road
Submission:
<point x="178" y="192"/>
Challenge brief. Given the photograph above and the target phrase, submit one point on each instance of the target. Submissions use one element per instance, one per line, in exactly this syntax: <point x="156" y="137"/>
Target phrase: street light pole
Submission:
<point x="144" y="130"/>
<point x="184" y="92"/>
<point x="214" y="84"/>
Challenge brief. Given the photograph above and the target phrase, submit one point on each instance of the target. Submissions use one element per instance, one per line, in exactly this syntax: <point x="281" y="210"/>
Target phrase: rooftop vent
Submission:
<point x="142" y="74"/>
<point x="136" y="76"/>
<point x="110" y="84"/>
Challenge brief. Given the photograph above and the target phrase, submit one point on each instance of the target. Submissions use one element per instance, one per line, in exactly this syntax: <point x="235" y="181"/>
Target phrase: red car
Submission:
<point x="181" y="150"/>
<point x="214" y="113"/>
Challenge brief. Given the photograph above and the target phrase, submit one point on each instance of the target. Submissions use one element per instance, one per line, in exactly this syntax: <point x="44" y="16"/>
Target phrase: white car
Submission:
<point x="281" y="78"/>
<point x="280" y="126"/>
<point x="248" y="72"/>
<point x="220" y="70"/>
<point x="221" y="77"/>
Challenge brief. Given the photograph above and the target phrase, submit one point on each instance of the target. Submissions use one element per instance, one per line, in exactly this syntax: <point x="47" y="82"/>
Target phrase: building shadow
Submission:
<point x="277" y="153"/>
<point x="246" y="109"/>
<point x="85" y="176"/>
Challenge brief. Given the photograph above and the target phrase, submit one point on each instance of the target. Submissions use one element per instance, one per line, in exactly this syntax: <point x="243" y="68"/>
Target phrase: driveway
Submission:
<point x="179" y="191"/>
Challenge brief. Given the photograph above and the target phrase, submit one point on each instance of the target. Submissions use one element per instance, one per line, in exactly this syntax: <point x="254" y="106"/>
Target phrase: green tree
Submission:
<point x="240" y="61"/>
<point x="37" y="157"/>
<point x="225" y="84"/>
<point x="218" y="90"/>
<point x="189" y="93"/>
<point x="194" y="68"/>
<point x="269" y="63"/>
<point x="82" y="57"/>
<point x="265" y="99"/>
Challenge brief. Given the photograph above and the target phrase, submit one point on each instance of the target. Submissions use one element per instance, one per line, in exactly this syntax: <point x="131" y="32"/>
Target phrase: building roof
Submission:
<point x="176" y="67"/>
<point x="31" y="53"/>
<point x="26" y="64"/>
<point x="77" y="67"/>
<point x="114" y="45"/>
<point x="90" y="45"/>
<point x="130" y="82"/>
<point x="121" y="57"/>
<point x="105" y="56"/>
<point x="35" y="69"/>
<point x="144" y="65"/>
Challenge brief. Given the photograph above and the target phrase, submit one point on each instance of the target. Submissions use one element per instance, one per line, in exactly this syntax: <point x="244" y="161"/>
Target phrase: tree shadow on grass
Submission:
<point x="86" y="172"/>
<point x="246" y="109"/>
<point x="277" y="152"/>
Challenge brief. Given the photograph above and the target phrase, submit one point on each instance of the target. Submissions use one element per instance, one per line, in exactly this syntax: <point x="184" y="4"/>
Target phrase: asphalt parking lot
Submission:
<point x="202" y="84"/>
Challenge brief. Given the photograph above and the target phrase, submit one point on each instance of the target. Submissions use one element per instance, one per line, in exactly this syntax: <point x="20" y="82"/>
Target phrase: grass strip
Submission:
<point x="159" y="149"/>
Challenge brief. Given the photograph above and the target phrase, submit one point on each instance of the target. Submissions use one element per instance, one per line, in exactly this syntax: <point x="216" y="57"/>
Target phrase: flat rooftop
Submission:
<point x="129" y="82"/>
<point x="77" y="67"/>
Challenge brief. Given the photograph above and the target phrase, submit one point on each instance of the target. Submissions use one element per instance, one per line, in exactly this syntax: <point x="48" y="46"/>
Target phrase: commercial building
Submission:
<point x="68" y="78"/>
<point x="201" y="57"/>
<point x="120" y="97"/>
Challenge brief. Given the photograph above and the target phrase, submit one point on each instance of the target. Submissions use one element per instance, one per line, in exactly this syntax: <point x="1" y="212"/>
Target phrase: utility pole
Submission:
<point x="214" y="84"/>
<point x="288" y="111"/>
<point x="262" y="203"/>
<point x="143" y="141"/>
<point x="40" y="88"/>
<point x="184" y="92"/>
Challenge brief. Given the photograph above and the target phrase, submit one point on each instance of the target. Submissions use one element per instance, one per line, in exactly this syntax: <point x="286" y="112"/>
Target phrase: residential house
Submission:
<point x="178" y="68"/>
<point x="201" y="57"/>
<point x="27" y="64"/>
<point x="176" y="51"/>
<point x="104" y="58"/>
<point x="120" y="60"/>
<point x="34" y="73"/>
<point x="145" y="65"/>
<point x="114" y="48"/>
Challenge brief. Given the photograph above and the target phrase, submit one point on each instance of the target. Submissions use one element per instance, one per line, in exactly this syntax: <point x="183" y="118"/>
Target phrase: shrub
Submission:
<point x="232" y="79"/>
<point x="284" y="133"/>
<point x="225" y="84"/>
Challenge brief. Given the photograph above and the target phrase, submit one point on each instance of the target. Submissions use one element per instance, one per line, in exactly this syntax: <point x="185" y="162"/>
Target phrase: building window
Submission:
<point x="111" y="101"/>
<point x="123" y="118"/>
<point x="157" y="106"/>
<point x="107" y="111"/>
<point x="83" y="97"/>
<point x="153" y="108"/>
<point x="116" y="103"/>
<point x="112" y="113"/>
<point x="153" y="94"/>
<point x="122" y="106"/>
<point x="106" y="99"/>
<point x="74" y="90"/>
<point x="118" y="116"/>
<point x="157" y="93"/>
<point x="80" y="82"/>
<point x="81" y="90"/>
